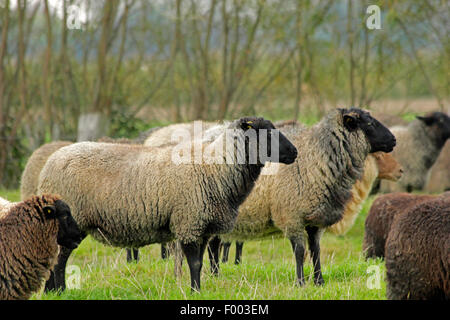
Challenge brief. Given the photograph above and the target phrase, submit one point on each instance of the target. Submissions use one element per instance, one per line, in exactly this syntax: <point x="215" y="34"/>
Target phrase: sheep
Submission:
<point x="163" y="136"/>
<point x="36" y="162"/>
<point x="132" y="195"/>
<point x="377" y="165"/>
<point x="30" y="175"/>
<point x="30" y="232"/>
<point x="5" y="206"/>
<point x="311" y="194"/>
<point x="438" y="179"/>
<point x="381" y="216"/>
<point x="418" y="253"/>
<point x="419" y="145"/>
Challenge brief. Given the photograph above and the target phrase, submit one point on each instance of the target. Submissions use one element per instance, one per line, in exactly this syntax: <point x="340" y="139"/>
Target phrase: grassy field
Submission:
<point x="267" y="272"/>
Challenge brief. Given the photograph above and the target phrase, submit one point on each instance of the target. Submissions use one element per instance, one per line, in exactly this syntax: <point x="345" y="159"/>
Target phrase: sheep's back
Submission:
<point x="418" y="252"/>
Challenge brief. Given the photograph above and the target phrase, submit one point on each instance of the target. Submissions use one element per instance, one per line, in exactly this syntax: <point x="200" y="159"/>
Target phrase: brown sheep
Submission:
<point x="30" y="232"/>
<point x="418" y="253"/>
<point x="381" y="216"/>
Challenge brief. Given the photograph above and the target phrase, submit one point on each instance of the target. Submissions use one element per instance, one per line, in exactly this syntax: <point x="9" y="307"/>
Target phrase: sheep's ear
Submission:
<point x="49" y="212"/>
<point x="245" y="125"/>
<point x="427" y="120"/>
<point x="350" y="122"/>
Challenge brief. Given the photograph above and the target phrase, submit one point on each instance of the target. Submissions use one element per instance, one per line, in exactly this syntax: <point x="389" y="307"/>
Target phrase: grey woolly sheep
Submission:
<point x="379" y="165"/>
<point x="132" y="195"/>
<point x="418" y="147"/>
<point x="418" y="253"/>
<point x="30" y="232"/>
<point x="311" y="194"/>
<point x="381" y="216"/>
<point x="30" y="175"/>
<point x="438" y="179"/>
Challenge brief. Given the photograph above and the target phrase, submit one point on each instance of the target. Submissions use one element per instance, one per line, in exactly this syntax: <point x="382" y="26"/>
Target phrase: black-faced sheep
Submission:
<point x="30" y="232"/>
<point x="418" y="146"/>
<point x="30" y="175"/>
<point x="131" y="195"/>
<point x="381" y="216"/>
<point x="310" y="195"/>
<point x="418" y="253"/>
<point x="379" y="165"/>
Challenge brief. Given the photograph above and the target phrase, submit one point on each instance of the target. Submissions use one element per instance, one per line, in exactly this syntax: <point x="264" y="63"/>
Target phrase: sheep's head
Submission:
<point x="69" y="235"/>
<point x="438" y="126"/>
<point x="378" y="136"/>
<point x="388" y="166"/>
<point x="264" y="142"/>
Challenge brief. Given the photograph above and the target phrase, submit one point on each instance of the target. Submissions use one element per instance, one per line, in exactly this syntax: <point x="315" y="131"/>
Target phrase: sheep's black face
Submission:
<point x="271" y="145"/>
<point x="439" y="126"/>
<point x="69" y="235"/>
<point x="380" y="138"/>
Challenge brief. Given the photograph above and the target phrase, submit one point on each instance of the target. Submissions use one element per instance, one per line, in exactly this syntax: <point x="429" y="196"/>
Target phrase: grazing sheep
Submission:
<point x="30" y="232"/>
<point x="439" y="176"/>
<point x="379" y="165"/>
<point x="311" y="194"/>
<point x="418" y="253"/>
<point x="381" y="215"/>
<point x="30" y="175"/>
<point x="132" y="195"/>
<point x="418" y="147"/>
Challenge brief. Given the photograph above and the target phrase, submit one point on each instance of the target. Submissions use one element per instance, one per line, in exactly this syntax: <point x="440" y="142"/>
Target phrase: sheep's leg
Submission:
<point x="238" y="258"/>
<point x="299" y="253"/>
<point x="213" y="252"/>
<point x="314" y="234"/>
<point x="164" y="251"/>
<point x="226" y="249"/>
<point x="132" y="255"/>
<point x="194" y="255"/>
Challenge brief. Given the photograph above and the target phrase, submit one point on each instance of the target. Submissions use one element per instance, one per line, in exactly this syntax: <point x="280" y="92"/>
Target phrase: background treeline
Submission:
<point x="140" y="63"/>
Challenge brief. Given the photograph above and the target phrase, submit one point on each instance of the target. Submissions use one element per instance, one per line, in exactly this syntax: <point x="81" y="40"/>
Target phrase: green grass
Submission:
<point x="267" y="272"/>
